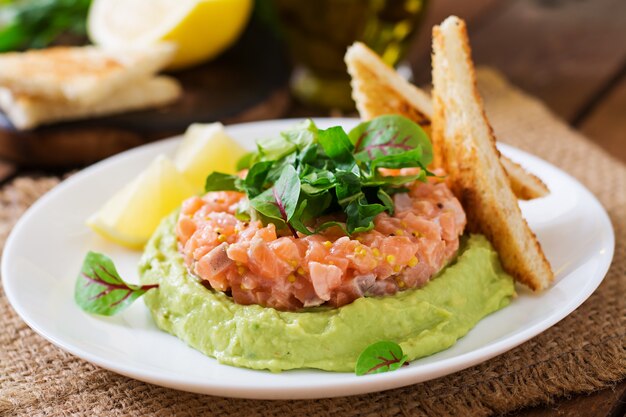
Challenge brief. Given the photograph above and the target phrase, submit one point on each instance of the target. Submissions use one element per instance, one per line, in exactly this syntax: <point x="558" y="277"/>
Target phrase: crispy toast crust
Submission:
<point x="525" y="185"/>
<point x="378" y="89"/>
<point x="472" y="160"/>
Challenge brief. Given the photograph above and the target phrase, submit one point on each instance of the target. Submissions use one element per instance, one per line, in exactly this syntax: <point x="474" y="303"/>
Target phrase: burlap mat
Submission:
<point x="584" y="352"/>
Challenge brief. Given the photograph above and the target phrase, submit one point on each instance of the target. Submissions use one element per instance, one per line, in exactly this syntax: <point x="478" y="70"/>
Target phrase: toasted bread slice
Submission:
<point x="473" y="162"/>
<point x="525" y="185"/>
<point x="27" y="112"/>
<point x="83" y="74"/>
<point x="378" y="89"/>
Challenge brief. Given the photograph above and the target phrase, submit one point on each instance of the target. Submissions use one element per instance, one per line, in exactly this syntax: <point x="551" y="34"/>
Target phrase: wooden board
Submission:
<point x="562" y="51"/>
<point x="247" y="82"/>
<point x="606" y="122"/>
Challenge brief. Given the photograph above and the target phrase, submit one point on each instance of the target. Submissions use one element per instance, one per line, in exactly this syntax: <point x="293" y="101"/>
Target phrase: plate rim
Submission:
<point x="370" y="383"/>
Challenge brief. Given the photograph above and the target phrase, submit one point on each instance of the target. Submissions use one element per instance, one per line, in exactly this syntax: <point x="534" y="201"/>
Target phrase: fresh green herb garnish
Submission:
<point x="380" y="357"/>
<point x="308" y="172"/>
<point x="37" y="23"/>
<point x="100" y="290"/>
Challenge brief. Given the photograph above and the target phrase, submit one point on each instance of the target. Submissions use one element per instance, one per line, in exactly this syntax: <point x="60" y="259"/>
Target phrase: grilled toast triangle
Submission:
<point x="472" y="161"/>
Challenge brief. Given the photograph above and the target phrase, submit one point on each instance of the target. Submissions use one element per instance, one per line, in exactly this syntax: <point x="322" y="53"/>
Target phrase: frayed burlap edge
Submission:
<point x="585" y="352"/>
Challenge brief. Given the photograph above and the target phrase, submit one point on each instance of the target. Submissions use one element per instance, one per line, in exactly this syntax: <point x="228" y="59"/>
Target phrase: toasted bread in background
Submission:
<point x="26" y="112"/>
<point x="378" y="89"/>
<point x="472" y="160"/>
<point x="84" y="74"/>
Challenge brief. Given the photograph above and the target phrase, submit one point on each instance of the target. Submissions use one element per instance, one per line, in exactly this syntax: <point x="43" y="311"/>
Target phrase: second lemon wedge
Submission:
<point x="201" y="29"/>
<point x="204" y="149"/>
<point x="134" y="212"/>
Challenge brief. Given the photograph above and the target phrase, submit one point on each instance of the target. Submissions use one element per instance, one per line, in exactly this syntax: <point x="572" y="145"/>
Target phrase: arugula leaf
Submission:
<point x="317" y="181"/>
<point x="277" y="167"/>
<point x="243" y="210"/>
<point x="217" y="181"/>
<point x="256" y="177"/>
<point x="309" y="155"/>
<point x="280" y="201"/>
<point x="361" y="215"/>
<point x="297" y="220"/>
<point x="302" y="134"/>
<point x="246" y="161"/>
<point x="379" y="180"/>
<point x="100" y="290"/>
<point x="348" y="187"/>
<point x="386" y="200"/>
<point x="273" y="149"/>
<point x="380" y="357"/>
<point x="337" y="146"/>
<point x="390" y="135"/>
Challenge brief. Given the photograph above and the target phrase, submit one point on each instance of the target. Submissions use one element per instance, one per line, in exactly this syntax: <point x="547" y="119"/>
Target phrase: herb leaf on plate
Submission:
<point x="380" y="357"/>
<point x="100" y="289"/>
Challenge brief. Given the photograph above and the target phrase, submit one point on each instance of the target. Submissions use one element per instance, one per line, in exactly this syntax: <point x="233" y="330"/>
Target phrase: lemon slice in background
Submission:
<point x="204" y="149"/>
<point x="201" y="29"/>
<point x="134" y="212"/>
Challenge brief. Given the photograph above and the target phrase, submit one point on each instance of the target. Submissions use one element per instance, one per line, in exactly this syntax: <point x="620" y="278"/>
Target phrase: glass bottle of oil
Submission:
<point x="318" y="33"/>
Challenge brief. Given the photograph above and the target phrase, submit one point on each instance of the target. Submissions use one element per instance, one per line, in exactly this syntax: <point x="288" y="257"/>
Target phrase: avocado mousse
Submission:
<point x="423" y="321"/>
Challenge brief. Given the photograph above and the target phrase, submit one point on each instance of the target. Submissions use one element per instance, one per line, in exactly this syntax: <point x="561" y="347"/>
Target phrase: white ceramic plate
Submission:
<point x="45" y="251"/>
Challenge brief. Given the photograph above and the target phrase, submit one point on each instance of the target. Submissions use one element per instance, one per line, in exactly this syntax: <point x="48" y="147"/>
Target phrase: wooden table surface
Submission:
<point x="569" y="53"/>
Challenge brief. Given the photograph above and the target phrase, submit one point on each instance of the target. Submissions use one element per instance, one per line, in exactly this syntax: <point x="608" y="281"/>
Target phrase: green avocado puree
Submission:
<point x="423" y="321"/>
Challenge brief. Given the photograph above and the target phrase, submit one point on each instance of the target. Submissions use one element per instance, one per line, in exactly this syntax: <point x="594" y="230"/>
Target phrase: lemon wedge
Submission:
<point x="204" y="149"/>
<point x="201" y="29"/>
<point x="134" y="212"/>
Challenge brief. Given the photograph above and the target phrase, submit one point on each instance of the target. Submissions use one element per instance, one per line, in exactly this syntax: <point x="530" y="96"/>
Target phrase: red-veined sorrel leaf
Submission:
<point x="280" y="201"/>
<point x="380" y="357"/>
<point x="100" y="290"/>
<point x="390" y="135"/>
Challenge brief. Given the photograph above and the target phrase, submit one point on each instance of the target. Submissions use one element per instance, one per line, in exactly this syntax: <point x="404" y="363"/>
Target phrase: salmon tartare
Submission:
<point x="257" y="264"/>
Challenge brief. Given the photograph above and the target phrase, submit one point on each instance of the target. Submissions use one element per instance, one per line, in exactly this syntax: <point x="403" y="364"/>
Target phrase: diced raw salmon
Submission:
<point x="421" y="227"/>
<point x="286" y="249"/>
<point x="398" y="250"/>
<point x="238" y="252"/>
<point x="213" y="266"/>
<point x="185" y="228"/>
<point x="263" y="261"/>
<point x="257" y="264"/>
<point x="191" y="205"/>
<point x="402" y="202"/>
<point x="325" y="278"/>
<point x="448" y="226"/>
